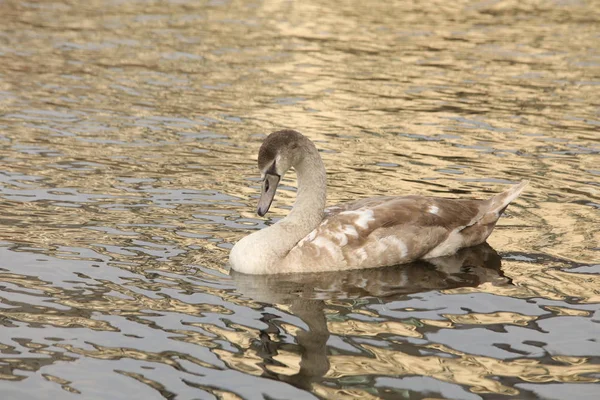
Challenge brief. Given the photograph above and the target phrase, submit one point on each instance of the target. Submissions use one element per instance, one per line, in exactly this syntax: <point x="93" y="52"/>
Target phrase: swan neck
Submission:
<point x="263" y="250"/>
<point x="312" y="191"/>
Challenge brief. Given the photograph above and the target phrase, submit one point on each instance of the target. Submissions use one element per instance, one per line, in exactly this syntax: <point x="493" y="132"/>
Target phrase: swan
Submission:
<point x="366" y="233"/>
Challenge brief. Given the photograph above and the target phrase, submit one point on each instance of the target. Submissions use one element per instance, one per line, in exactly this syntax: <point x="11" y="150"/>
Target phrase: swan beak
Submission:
<point x="269" y="188"/>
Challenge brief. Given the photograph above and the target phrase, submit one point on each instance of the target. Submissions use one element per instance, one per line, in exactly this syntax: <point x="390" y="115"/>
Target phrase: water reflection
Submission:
<point x="305" y="296"/>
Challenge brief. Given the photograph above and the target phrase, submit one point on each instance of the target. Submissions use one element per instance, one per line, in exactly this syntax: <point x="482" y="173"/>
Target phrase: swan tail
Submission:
<point x="499" y="202"/>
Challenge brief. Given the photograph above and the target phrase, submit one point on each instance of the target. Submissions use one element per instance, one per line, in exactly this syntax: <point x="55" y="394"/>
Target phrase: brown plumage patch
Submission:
<point x="414" y="210"/>
<point x="285" y="139"/>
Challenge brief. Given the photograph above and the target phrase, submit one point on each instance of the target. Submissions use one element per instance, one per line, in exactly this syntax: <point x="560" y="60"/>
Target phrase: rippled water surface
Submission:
<point x="128" y="140"/>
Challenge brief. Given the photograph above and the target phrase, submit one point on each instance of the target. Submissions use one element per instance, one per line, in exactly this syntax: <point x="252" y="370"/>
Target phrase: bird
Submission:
<point x="365" y="233"/>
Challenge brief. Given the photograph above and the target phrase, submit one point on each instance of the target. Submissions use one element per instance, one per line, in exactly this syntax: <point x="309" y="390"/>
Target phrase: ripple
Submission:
<point x="129" y="133"/>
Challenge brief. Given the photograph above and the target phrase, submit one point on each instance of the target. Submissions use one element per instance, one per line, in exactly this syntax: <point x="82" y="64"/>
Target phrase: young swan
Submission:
<point x="367" y="233"/>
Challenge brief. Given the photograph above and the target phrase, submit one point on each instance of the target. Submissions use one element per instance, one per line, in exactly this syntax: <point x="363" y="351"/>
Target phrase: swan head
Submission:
<point x="279" y="152"/>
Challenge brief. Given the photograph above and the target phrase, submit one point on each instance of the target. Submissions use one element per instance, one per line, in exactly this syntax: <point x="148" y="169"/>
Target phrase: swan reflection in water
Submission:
<point x="306" y="295"/>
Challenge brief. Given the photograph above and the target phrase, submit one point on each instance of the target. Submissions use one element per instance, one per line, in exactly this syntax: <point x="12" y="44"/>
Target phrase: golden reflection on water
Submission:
<point x="128" y="141"/>
<point x="471" y="371"/>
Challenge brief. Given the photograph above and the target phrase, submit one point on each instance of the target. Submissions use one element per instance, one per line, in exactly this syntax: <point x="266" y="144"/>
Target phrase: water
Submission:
<point x="128" y="141"/>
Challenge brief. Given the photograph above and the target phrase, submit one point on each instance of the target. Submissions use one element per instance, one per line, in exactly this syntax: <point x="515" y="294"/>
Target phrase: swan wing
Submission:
<point x="395" y="230"/>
